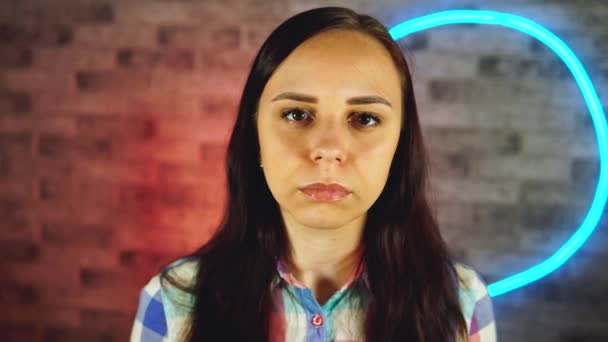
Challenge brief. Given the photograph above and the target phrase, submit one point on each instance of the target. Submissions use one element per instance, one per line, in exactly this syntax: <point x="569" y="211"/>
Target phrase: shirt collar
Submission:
<point x="283" y="274"/>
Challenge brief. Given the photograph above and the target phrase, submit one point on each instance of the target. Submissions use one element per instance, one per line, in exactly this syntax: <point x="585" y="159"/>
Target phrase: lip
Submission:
<point x="325" y="192"/>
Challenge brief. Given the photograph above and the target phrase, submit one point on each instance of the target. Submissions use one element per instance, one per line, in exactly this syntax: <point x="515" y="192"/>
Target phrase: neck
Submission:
<point x="323" y="259"/>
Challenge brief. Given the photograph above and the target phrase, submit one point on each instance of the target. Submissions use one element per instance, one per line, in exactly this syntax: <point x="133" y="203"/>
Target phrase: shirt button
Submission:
<point x="317" y="320"/>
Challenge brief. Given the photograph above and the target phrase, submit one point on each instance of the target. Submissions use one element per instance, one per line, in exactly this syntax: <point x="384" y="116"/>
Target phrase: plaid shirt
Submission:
<point x="296" y="314"/>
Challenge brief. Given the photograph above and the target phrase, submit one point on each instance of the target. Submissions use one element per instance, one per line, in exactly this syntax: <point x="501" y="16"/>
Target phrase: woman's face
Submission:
<point x="310" y="131"/>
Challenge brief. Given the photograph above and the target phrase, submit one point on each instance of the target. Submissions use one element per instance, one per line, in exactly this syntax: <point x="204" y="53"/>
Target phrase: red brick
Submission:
<point x="76" y="234"/>
<point x="37" y="314"/>
<point x="141" y="259"/>
<point x="136" y="127"/>
<point x="15" y="224"/>
<point x="166" y="150"/>
<point x="112" y="80"/>
<point x="48" y="271"/>
<point x="19" y="251"/>
<point x="18" y="187"/>
<point x="178" y="195"/>
<point x="95" y="277"/>
<point x="105" y="320"/>
<point x="61" y="63"/>
<point x="117" y="297"/>
<point x="108" y="37"/>
<point x="181" y="36"/>
<point x="67" y="334"/>
<point x="19" y="332"/>
<point x="170" y="172"/>
<point x="11" y="293"/>
<point x="138" y="196"/>
<point x="23" y="125"/>
<point x="15" y="57"/>
<point x="88" y="200"/>
<point x="159" y="13"/>
<point x="42" y="13"/>
<point x="186" y="228"/>
<point x="82" y="146"/>
<point x="174" y="59"/>
<point x="15" y="101"/>
<point x="136" y="171"/>
<point x="213" y="153"/>
<point x="55" y="35"/>
<point x="212" y="127"/>
<point x="60" y="101"/>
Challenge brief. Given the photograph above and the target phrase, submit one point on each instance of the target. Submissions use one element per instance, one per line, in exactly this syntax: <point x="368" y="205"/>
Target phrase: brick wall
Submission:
<point x="114" y="117"/>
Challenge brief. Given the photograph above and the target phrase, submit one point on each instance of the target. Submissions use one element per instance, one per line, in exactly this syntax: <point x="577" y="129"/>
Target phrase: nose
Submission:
<point x="328" y="154"/>
<point x="330" y="146"/>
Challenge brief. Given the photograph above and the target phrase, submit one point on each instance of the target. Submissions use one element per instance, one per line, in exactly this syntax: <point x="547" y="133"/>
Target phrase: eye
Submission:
<point x="298" y="114"/>
<point x="365" y="118"/>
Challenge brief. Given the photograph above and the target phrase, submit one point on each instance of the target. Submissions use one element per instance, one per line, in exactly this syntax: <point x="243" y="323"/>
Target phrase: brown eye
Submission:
<point x="365" y="118"/>
<point x="298" y="115"/>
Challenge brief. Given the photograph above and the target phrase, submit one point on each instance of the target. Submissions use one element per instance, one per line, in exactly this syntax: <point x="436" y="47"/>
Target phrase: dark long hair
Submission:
<point x="413" y="293"/>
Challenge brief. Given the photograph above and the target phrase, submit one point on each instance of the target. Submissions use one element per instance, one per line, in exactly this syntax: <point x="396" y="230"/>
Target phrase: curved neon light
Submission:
<point x="593" y="103"/>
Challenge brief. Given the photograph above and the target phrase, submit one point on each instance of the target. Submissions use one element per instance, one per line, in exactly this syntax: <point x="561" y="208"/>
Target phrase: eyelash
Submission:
<point x="368" y="114"/>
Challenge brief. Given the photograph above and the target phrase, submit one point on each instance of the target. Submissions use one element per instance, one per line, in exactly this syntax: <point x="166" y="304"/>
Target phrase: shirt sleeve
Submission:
<point x="476" y="305"/>
<point x="150" y="324"/>
<point x="482" y="326"/>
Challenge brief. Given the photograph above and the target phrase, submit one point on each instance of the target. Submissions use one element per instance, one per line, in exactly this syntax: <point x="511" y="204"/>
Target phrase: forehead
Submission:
<point x="338" y="61"/>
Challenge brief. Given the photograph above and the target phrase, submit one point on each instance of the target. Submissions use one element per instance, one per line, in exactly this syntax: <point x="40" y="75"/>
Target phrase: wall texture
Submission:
<point x="114" y="117"/>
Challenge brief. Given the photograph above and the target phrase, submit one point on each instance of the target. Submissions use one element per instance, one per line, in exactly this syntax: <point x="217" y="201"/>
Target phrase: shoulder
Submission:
<point x="475" y="303"/>
<point x="165" y="303"/>
<point x="183" y="271"/>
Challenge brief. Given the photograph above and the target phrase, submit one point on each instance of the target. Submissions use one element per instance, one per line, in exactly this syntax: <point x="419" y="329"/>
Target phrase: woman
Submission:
<point x="327" y="234"/>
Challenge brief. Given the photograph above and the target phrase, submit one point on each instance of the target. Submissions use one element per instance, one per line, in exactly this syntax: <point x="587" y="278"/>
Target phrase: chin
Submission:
<point x="323" y="219"/>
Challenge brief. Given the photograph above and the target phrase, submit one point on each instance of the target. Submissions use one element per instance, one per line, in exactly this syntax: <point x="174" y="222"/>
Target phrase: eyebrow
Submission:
<point x="357" y="100"/>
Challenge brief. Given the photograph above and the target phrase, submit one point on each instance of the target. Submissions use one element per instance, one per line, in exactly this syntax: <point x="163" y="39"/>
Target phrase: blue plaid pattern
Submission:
<point x="163" y="312"/>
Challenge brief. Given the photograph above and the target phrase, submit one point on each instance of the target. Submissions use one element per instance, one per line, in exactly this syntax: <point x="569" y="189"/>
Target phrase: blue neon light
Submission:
<point x="593" y="103"/>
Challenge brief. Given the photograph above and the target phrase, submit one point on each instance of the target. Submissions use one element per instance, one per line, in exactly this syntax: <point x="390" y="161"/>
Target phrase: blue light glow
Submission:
<point x="593" y="103"/>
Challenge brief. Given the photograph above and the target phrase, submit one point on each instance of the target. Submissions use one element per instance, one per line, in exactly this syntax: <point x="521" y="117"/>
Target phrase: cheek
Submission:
<point x="275" y="139"/>
<point x="378" y="153"/>
<point x="280" y="155"/>
<point x="280" y="159"/>
<point x="375" y="166"/>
